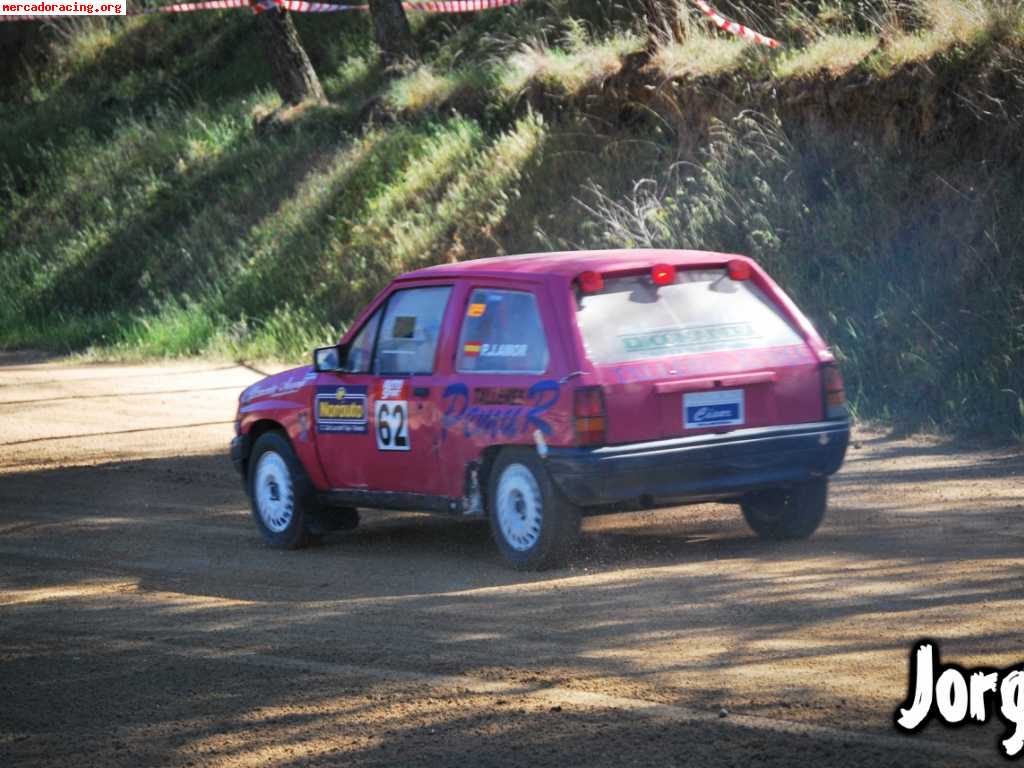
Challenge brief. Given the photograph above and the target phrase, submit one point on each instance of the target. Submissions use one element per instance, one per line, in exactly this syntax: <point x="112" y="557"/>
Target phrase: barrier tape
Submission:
<point x="186" y="7"/>
<point x="734" y="28"/>
<point x="301" y="6"/>
<point x="441" y="6"/>
<point x="430" y="6"/>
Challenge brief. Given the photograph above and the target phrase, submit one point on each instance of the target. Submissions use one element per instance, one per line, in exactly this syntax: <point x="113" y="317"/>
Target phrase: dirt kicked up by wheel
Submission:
<point x="793" y="513"/>
<point x="534" y="527"/>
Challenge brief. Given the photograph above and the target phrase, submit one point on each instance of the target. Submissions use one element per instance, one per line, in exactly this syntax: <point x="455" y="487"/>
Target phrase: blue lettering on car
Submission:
<point x="498" y="421"/>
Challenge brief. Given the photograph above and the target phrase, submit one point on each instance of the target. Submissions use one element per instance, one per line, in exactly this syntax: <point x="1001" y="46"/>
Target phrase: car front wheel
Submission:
<point x="283" y="503"/>
<point x="787" y="513"/>
<point x="533" y="525"/>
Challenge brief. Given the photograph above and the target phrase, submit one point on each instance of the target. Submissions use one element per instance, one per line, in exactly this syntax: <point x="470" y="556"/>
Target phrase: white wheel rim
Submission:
<point x="519" y="506"/>
<point x="275" y="499"/>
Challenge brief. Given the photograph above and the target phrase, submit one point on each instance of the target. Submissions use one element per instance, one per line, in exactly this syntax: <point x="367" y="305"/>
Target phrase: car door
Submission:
<point x="405" y="393"/>
<point x="505" y="388"/>
<point x="341" y="411"/>
<point x="377" y="421"/>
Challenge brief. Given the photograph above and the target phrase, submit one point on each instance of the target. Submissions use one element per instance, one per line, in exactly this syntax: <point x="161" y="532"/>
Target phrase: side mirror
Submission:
<point x="327" y="359"/>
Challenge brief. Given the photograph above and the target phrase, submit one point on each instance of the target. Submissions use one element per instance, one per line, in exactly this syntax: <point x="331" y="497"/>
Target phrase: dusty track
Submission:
<point x="142" y="621"/>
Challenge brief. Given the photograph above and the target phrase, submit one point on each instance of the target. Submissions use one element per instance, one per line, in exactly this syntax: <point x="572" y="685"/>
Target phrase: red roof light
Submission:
<point x="591" y="282"/>
<point x="663" y="274"/>
<point x="739" y="270"/>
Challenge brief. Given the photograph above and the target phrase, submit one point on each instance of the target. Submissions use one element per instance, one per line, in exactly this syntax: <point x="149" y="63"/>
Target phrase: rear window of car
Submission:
<point x="502" y="333"/>
<point x="703" y="311"/>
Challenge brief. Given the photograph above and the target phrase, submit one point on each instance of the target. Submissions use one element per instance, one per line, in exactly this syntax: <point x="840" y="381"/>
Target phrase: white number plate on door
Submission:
<point x="392" y="420"/>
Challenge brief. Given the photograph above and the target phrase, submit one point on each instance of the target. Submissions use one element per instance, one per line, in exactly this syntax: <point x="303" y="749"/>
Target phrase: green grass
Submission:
<point x="142" y="216"/>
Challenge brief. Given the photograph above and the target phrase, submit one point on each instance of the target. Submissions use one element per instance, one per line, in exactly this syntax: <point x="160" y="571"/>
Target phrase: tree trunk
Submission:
<point x="293" y="74"/>
<point x="391" y="31"/>
<point x="663" y="23"/>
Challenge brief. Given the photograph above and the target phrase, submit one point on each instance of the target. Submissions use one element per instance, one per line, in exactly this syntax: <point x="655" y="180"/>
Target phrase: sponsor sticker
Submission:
<point x="476" y="310"/>
<point x="341" y="410"/>
<point x="688" y="339"/>
<point x="471" y="349"/>
<point x="713" y="409"/>
<point x="499" y="395"/>
<point x="391" y="389"/>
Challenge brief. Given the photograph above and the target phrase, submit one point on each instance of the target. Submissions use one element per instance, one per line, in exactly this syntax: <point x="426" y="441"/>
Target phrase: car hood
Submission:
<point x="285" y="382"/>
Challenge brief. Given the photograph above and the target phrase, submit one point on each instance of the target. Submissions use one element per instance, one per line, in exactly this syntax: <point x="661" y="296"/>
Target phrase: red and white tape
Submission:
<point x="435" y="6"/>
<point x="735" y="28"/>
<point x="207" y="5"/>
<point x="442" y="6"/>
<point x="302" y="6"/>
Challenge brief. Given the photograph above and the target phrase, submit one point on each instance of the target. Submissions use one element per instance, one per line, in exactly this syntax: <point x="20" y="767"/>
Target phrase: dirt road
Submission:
<point x="143" y="622"/>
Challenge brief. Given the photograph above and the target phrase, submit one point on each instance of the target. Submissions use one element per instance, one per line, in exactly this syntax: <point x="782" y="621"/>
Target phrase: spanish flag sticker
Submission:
<point x="476" y="310"/>
<point x="471" y="348"/>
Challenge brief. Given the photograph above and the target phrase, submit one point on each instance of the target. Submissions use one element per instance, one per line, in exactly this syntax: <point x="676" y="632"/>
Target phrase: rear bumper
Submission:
<point x="705" y="467"/>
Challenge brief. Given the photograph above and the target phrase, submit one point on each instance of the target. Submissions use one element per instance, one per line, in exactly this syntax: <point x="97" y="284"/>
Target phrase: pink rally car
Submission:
<point x="537" y="389"/>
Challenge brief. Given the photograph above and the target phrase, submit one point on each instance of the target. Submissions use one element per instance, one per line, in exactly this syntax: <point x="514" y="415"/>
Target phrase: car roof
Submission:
<point x="568" y="264"/>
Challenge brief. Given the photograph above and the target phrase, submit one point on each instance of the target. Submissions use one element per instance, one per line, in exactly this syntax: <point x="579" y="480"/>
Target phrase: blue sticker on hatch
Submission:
<point x="713" y="409"/>
<point x="341" y="409"/>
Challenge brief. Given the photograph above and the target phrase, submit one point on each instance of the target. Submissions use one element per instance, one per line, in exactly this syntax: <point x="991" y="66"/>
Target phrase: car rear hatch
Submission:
<point x="687" y="350"/>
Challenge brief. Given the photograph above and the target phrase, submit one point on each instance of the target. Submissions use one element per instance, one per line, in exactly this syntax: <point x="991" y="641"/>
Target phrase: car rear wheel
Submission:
<point x="283" y="502"/>
<point x="533" y="525"/>
<point x="787" y="513"/>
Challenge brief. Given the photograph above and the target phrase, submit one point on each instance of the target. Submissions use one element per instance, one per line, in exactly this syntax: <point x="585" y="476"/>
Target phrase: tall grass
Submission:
<point x="908" y="263"/>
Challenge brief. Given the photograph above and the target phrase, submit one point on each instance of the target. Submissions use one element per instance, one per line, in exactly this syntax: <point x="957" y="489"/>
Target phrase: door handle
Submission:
<point x="421" y="391"/>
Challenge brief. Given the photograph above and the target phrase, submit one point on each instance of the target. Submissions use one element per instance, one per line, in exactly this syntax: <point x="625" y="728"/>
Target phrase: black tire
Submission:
<point x="787" y="513"/>
<point x="547" y="526"/>
<point x="290" y="519"/>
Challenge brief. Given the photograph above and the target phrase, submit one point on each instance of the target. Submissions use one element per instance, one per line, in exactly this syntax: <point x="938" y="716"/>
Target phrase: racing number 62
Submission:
<point x="392" y="425"/>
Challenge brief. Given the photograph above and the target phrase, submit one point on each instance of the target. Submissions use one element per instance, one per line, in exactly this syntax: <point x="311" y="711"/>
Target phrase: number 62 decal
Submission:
<point x="392" y="419"/>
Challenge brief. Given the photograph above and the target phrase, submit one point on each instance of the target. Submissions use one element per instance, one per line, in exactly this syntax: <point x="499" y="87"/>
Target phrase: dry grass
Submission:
<point x="834" y="54"/>
<point x="421" y="89"/>
<point x="954" y="22"/>
<point x="698" y="55"/>
<point x="570" y="70"/>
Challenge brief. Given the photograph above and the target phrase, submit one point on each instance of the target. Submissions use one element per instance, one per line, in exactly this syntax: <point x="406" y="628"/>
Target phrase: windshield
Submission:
<point x="703" y="311"/>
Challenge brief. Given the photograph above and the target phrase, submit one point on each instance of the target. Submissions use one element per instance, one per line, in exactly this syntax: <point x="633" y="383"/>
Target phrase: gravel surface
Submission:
<point x="143" y="622"/>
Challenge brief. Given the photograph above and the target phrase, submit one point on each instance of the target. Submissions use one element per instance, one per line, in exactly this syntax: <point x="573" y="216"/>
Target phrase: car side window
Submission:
<point x="410" y="330"/>
<point x="502" y="332"/>
<point x="360" y="351"/>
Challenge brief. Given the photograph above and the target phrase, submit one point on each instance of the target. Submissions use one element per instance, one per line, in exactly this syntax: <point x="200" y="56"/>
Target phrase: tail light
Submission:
<point x="589" y="413"/>
<point x="835" y="393"/>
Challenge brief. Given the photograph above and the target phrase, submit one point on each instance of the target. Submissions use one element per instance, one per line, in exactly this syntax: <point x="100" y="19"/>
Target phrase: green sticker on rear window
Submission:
<point x="687" y="339"/>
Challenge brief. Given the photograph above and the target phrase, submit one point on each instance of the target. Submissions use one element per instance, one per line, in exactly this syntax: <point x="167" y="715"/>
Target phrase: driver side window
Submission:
<point x="360" y="352"/>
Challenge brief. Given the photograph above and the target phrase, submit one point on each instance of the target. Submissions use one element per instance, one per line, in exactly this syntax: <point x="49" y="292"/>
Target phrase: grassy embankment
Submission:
<point x="873" y="166"/>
